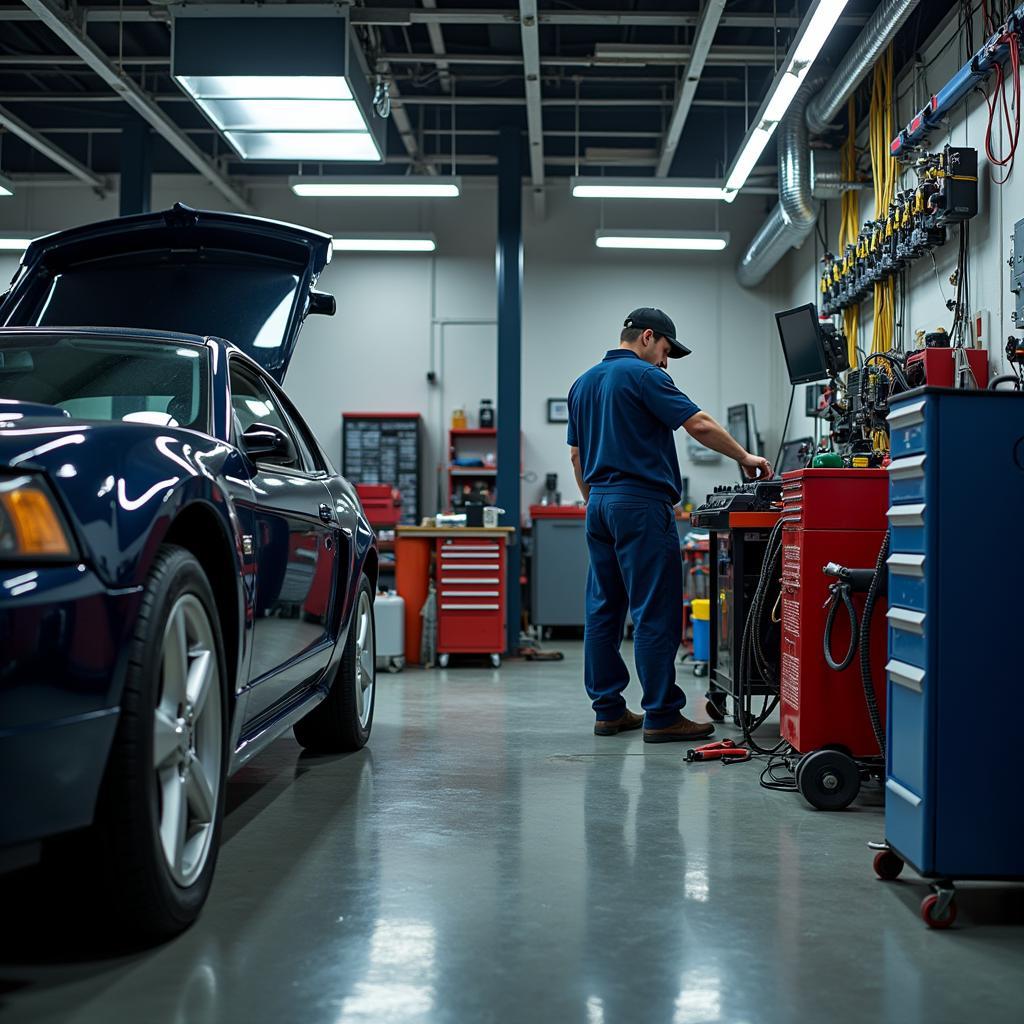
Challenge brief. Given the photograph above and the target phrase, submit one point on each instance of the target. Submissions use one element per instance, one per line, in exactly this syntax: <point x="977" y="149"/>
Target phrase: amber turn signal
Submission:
<point x="30" y="524"/>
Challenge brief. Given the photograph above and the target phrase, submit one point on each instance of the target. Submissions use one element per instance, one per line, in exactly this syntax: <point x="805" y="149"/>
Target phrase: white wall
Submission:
<point x="990" y="231"/>
<point x="375" y="354"/>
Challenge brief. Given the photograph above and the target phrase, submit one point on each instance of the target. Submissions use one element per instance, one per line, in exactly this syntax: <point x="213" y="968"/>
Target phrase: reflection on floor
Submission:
<point x="489" y="859"/>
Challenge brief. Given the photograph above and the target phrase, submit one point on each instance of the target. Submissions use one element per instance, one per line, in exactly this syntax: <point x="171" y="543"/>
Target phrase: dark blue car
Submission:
<point x="183" y="575"/>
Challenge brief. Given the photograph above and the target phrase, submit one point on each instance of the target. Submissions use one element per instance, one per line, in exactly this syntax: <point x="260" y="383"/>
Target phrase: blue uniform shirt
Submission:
<point x="622" y="415"/>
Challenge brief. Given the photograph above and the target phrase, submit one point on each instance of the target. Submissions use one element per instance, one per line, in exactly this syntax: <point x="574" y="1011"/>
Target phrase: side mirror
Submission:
<point x="322" y="303"/>
<point x="265" y="443"/>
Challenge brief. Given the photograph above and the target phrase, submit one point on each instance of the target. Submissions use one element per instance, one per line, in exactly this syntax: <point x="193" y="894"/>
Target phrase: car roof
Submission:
<point x="116" y="332"/>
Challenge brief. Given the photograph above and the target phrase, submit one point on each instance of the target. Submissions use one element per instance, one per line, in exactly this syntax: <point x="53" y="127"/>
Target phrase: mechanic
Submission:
<point x="622" y="415"/>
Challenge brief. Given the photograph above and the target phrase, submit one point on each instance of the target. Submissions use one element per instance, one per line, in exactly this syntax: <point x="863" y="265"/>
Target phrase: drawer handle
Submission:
<point x="906" y="675"/>
<point x="906" y="565"/>
<point x="906" y="621"/>
<point x="907" y="515"/>
<point x="470" y="607"/>
<point x="469" y="554"/>
<point x="473" y="579"/>
<point x="464" y="566"/>
<point x="907" y="415"/>
<point x="449" y="550"/>
<point x="468" y="593"/>
<point x="909" y="466"/>
<point x="903" y="793"/>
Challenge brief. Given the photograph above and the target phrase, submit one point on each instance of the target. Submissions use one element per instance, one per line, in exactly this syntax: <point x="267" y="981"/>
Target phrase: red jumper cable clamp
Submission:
<point x="725" y="751"/>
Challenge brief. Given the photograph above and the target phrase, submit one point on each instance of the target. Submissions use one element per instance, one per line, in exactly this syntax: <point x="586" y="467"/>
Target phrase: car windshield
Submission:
<point x="124" y="379"/>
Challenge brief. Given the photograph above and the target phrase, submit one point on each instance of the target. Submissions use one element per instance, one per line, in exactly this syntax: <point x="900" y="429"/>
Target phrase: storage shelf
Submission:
<point x="472" y="470"/>
<point x="474" y="432"/>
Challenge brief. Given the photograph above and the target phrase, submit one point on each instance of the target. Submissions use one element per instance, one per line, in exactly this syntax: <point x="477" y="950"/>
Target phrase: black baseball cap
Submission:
<point x="659" y="322"/>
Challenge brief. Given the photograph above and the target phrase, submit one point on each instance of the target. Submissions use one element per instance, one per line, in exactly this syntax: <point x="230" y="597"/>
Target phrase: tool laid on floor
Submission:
<point x="726" y="751"/>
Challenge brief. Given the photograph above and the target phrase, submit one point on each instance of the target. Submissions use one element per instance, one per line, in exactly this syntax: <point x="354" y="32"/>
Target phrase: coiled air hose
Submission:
<point x="840" y="595"/>
<point x="879" y="584"/>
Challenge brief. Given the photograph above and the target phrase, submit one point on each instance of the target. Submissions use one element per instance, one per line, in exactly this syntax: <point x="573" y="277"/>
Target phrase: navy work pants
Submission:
<point x="635" y="565"/>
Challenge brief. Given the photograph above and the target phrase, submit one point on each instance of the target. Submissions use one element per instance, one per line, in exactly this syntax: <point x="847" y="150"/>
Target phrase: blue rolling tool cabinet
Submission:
<point x="955" y="672"/>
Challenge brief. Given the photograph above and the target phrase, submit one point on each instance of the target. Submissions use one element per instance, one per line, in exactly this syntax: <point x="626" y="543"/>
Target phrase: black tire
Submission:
<point x="828" y="780"/>
<point x="334" y="725"/>
<point x="714" y="712"/>
<point x="149" y="902"/>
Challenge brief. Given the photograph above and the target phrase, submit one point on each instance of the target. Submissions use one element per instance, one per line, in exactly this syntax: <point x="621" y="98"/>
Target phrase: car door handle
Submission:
<point x="326" y="515"/>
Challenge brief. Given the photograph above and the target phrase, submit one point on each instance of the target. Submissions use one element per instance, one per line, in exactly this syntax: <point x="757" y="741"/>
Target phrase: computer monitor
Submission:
<point x="791" y="457"/>
<point x="742" y="424"/>
<point x="802" y="344"/>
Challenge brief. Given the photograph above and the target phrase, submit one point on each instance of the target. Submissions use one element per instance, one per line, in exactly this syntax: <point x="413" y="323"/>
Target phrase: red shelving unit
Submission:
<point x="469" y="442"/>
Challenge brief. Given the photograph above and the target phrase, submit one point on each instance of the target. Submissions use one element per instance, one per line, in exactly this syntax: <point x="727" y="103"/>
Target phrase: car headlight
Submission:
<point x="31" y="524"/>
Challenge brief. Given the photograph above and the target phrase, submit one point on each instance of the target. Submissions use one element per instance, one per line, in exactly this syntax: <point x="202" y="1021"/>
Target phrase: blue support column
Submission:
<point x="136" y="167"/>
<point x="509" y="265"/>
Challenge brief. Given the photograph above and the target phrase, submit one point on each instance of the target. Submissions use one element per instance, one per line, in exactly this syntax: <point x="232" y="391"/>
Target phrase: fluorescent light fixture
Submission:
<point x="378" y="187"/>
<point x="685" y="241"/>
<point x="814" y="31"/>
<point x="378" y="242"/>
<point x="304" y="145"/>
<point x="267" y="87"/>
<point x="647" y="188"/>
<point x="6" y="186"/>
<point x="14" y="244"/>
<point x="283" y="115"/>
<point x="280" y="81"/>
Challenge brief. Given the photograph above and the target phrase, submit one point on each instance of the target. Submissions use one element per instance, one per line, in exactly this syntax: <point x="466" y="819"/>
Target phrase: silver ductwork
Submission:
<point x="793" y="219"/>
<point x="882" y="26"/>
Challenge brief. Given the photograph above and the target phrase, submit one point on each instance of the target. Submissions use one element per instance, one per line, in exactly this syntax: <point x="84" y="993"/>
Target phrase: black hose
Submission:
<point x="840" y="592"/>
<point x="870" y="696"/>
<point x="1004" y="378"/>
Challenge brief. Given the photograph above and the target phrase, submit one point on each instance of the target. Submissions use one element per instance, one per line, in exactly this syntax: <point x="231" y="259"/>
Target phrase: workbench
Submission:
<point x="469" y="573"/>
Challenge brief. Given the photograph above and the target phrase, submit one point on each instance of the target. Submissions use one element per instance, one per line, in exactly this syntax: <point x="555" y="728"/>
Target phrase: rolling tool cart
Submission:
<point x="831" y="518"/>
<point x="953" y="796"/>
<point x="739" y="519"/>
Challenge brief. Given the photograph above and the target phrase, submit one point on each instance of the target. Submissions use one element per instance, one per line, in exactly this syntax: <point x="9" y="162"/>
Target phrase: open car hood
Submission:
<point x="226" y="275"/>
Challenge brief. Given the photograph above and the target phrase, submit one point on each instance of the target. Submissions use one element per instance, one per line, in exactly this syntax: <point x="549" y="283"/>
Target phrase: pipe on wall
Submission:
<point x="793" y="219"/>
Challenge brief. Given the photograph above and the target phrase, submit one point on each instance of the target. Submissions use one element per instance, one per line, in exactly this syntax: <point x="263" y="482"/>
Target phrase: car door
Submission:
<point x="296" y="552"/>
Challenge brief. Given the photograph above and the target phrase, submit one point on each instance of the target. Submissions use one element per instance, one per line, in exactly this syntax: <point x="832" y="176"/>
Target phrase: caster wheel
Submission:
<point x="700" y="668"/>
<point x="888" y="865"/>
<point x="828" y="780"/>
<point x="932" y="917"/>
<point x="495" y="661"/>
<point x="442" y="660"/>
<point x="396" y="664"/>
<point x="714" y="712"/>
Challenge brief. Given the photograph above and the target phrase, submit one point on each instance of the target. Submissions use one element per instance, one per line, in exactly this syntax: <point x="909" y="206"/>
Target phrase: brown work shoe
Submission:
<point x="624" y="724"/>
<point x="683" y="730"/>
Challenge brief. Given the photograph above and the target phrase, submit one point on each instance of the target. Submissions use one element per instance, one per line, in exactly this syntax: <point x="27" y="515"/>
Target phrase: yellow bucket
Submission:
<point x="700" y="608"/>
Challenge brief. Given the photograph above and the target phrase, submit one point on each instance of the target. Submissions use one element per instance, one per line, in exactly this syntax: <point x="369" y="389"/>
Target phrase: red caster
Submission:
<point x="888" y="865"/>
<point x="934" y="915"/>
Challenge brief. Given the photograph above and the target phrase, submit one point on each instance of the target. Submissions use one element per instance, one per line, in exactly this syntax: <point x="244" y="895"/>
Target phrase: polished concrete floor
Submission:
<point x="489" y="859"/>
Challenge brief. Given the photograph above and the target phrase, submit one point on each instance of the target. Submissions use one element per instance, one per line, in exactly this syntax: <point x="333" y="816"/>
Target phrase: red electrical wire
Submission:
<point x="1010" y="110"/>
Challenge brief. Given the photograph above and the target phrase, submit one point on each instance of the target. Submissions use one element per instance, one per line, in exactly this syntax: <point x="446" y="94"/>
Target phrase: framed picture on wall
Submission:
<point x="558" y="410"/>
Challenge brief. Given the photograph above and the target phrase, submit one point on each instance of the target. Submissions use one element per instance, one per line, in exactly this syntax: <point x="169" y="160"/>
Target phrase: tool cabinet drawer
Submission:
<point x="908" y="585"/>
<point x="466" y="626"/>
<point x="907" y="479"/>
<point x="907" y="639"/>
<point x="909" y="824"/>
<point x="909" y="528"/>
<point x="908" y="428"/>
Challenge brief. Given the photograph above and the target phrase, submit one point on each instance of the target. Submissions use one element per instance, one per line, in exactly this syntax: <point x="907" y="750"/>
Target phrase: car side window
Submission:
<point x="252" y="401"/>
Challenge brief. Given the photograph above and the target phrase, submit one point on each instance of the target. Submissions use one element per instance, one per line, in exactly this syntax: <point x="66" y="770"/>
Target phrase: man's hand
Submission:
<point x="755" y="468"/>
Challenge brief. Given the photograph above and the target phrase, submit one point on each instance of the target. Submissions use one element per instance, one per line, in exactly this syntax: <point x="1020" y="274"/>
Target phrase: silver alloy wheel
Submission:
<point x="188" y="739"/>
<point x="366" y="659"/>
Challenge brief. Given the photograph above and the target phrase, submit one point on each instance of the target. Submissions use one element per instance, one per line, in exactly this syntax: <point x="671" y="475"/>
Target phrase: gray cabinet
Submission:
<point x="558" y="579"/>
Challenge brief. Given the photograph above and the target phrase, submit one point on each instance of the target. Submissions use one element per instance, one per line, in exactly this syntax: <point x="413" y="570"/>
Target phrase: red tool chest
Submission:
<point x="470" y="579"/>
<point x="830" y="515"/>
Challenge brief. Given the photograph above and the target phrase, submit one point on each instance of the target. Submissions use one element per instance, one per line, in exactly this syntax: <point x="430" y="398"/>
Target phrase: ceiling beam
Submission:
<point x="437" y="45"/>
<point x="61" y="22"/>
<point x="41" y="144"/>
<point x="534" y="115"/>
<point x="655" y="19"/>
<point x="605" y="55"/>
<point x="710" y="17"/>
<point x="398" y="16"/>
